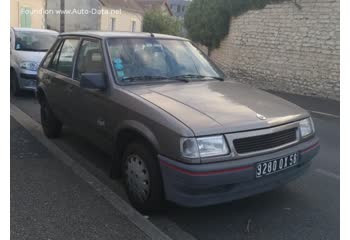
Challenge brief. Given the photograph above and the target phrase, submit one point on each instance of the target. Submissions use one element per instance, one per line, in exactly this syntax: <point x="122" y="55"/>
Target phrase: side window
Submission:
<point x="64" y="61"/>
<point x="50" y="55"/>
<point x="53" y="64"/>
<point x="90" y="59"/>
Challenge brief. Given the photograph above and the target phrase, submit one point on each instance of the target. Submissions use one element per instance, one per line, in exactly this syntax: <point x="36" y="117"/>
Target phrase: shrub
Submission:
<point x="156" y="21"/>
<point x="208" y="21"/>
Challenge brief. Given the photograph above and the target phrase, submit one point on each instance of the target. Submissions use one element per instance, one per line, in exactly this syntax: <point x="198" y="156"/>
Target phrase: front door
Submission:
<point x="92" y="108"/>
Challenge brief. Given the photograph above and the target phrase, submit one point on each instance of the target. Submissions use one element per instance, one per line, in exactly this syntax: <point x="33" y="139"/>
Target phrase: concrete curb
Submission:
<point x="130" y="213"/>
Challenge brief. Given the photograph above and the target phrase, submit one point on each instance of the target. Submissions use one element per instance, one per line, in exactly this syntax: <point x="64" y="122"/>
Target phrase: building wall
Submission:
<point x="81" y="22"/>
<point x="165" y="10"/>
<point x="74" y="22"/>
<point x="182" y="4"/>
<point x="285" y="47"/>
<point x="37" y="19"/>
<point x="93" y="21"/>
<point x="123" y="20"/>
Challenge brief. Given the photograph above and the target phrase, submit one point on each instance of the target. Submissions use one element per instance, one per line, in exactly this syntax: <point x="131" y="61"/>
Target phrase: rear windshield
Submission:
<point x="34" y="41"/>
<point x="160" y="59"/>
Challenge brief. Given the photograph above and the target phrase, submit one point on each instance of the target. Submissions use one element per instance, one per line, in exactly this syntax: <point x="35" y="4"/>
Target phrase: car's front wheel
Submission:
<point x="52" y="127"/>
<point x="142" y="178"/>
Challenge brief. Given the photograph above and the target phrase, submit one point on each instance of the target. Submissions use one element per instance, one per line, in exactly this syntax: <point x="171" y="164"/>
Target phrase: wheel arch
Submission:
<point x="127" y="132"/>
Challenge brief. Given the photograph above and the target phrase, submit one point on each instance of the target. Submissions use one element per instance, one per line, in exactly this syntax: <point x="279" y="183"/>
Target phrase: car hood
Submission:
<point x="28" y="56"/>
<point x="213" y="107"/>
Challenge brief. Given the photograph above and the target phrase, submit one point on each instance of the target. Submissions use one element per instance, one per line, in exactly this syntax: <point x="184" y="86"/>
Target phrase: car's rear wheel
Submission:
<point x="52" y="126"/>
<point x="142" y="178"/>
<point x="15" y="88"/>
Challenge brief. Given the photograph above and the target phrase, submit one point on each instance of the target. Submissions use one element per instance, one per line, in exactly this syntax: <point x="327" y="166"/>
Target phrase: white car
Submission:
<point x="28" y="47"/>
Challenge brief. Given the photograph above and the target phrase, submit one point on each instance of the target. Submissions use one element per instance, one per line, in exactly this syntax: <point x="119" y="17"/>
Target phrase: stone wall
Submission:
<point x="291" y="46"/>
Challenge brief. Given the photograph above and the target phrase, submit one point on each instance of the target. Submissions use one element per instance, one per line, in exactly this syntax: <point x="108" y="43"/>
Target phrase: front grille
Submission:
<point x="263" y="142"/>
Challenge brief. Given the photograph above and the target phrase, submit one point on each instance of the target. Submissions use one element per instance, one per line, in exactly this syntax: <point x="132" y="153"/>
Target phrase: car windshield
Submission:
<point x="34" y="41"/>
<point x="151" y="59"/>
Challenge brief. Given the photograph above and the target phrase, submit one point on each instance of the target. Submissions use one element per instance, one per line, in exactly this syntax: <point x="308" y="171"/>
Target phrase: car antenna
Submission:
<point x="152" y="35"/>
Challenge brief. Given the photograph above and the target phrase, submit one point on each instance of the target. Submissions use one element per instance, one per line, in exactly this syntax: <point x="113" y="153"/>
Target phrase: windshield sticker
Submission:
<point x="118" y="64"/>
<point x="121" y="74"/>
<point x="18" y="46"/>
<point x="118" y="60"/>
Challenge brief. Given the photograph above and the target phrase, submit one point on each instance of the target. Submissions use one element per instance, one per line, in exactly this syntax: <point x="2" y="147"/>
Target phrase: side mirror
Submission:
<point x="95" y="81"/>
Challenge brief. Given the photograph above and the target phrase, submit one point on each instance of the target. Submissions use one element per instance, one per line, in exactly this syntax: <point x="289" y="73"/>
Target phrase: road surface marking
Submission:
<point x="325" y="114"/>
<point x="129" y="212"/>
<point x="327" y="173"/>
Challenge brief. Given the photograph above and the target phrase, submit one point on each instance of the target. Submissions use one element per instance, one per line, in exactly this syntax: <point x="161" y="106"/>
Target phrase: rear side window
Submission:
<point x="50" y="55"/>
<point x="64" y="57"/>
<point x="90" y="59"/>
<point x="54" y="61"/>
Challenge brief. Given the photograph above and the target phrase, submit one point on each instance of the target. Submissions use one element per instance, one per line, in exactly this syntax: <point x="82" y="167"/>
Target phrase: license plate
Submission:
<point x="276" y="165"/>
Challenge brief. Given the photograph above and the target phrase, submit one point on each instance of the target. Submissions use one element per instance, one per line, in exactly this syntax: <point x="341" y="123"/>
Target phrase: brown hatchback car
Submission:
<point x="177" y="130"/>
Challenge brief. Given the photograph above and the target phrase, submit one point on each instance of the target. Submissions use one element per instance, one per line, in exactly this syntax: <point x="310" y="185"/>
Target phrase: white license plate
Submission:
<point x="276" y="165"/>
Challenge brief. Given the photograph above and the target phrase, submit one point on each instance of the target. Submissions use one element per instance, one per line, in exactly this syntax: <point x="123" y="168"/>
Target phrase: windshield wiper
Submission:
<point x="136" y="78"/>
<point x="186" y="76"/>
<point x="182" y="78"/>
<point x="32" y="50"/>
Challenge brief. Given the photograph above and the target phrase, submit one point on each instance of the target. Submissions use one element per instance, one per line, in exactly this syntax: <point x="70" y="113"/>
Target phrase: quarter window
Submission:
<point x="53" y="63"/>
<point x="90" y="59"/>
<point x="50" y="55"/>
<point x="63" y="60"/>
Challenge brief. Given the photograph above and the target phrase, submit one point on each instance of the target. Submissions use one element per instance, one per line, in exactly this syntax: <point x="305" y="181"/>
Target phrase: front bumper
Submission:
<point x="213" y="183"/>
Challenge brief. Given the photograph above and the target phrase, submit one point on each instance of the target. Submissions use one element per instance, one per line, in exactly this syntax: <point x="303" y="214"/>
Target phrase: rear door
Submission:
<point x="60" y="83"/>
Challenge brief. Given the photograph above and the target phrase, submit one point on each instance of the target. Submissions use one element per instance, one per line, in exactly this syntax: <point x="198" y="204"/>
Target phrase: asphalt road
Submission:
<point x="307" y="208"/>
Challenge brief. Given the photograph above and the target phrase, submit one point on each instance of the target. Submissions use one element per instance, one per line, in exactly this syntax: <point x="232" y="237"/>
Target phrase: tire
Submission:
<point x="142" y="178"/>
<point x="15" y="88"/>
<point x="52" y="127"/>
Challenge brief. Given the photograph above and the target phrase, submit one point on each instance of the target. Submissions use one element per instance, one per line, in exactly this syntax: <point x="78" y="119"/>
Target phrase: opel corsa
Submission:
<point x="176" y="128"/>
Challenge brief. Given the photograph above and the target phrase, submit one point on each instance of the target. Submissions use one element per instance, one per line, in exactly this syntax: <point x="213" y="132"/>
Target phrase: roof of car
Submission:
<point x="33" y="30"/>
<point x="98" y="34"/>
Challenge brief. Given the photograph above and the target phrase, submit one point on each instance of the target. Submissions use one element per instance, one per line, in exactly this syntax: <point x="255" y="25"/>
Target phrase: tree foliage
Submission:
<point x="208" y="21"/>
<point x="156" y="21"/>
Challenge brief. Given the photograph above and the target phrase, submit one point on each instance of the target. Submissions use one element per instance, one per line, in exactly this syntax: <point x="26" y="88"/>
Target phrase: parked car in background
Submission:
<point x="177" y="128"/>
<point x="28" y="47"/>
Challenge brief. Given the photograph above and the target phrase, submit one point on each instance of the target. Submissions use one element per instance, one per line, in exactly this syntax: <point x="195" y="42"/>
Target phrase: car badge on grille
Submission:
<point x="261" y="117"/>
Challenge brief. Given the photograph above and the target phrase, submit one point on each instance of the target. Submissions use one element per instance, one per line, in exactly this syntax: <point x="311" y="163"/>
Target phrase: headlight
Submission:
<point x="32" y="66"/>
<point x="203" y="147"/>
<point x="306" y="127"/>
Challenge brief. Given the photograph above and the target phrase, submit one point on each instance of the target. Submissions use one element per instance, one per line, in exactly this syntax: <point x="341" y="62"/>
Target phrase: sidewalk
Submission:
<point x="48" y="201"/>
